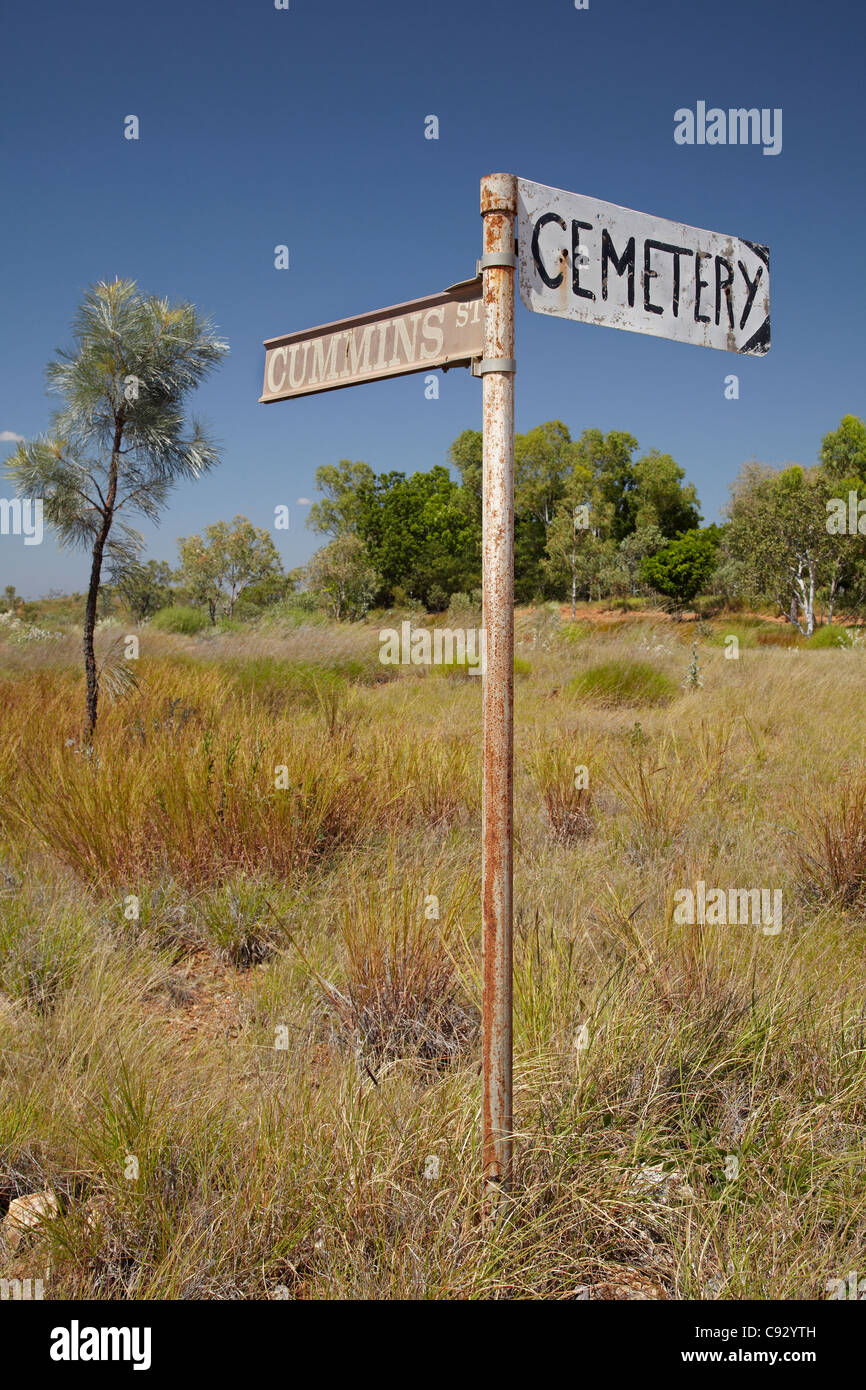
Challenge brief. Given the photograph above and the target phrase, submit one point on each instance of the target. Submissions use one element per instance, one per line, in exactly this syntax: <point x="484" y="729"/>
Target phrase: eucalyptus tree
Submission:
<point x="122" y="437"/>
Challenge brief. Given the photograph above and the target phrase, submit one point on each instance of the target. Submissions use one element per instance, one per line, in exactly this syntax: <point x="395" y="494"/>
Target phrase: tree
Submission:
<point x="467" y="456"/>
<point x="343" y="575"/>
<point x="681" y="568"/>
<point x="843" y="451"/>
<point x="607" y="458"/>
<point x="544" y="464"/>
<point x="145" y="588"/>
<point x="121" y="440"/>
<point x="264" y="593"/>
<point x="660" y="497"/>
<point x="778" y="531"/>
<point x="573" y="551"/>
<point x="218" y="566"/>
<point x="419" y="535"/>
<point x="345" y="486"/>
<point x="635" y="548"/>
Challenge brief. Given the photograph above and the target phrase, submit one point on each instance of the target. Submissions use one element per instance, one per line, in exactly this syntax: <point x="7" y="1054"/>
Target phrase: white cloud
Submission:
<point x="304" y="502"/>
<point x="10" y="437"/>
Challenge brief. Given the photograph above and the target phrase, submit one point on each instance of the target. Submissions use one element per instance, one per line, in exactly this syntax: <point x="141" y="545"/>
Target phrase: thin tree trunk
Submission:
<point x="91" y="698"/>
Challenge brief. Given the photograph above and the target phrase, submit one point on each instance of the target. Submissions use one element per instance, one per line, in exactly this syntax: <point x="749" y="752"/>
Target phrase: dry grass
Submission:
<point x="267" y="996"/>
<point x="831" y="841"/>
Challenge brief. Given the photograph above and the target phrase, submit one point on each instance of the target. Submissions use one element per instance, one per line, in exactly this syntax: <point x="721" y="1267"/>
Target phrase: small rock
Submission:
<point x="25" y="1214"/>
<point x="664" y="1185"/>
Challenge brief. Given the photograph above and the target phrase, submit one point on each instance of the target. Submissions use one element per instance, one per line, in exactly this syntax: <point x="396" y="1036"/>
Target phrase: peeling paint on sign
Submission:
<point x="580" y="258"/>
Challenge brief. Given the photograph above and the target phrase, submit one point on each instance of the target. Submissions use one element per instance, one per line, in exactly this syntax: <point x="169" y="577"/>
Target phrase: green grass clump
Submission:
<point x="828" y="636"/>
<point x="746" y="633"/>
<point x="575" y="632"/>
<point x="624" y="683"/>
<point x="180" y="620"/>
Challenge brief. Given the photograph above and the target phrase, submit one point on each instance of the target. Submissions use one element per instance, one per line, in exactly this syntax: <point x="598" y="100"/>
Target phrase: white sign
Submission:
<point x="583" y="259"/>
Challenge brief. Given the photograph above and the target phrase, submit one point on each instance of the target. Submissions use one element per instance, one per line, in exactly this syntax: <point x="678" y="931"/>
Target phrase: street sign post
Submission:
<point x="443" y="330"/>
<point x="498" y="266"/>
<point x="582" y="259"/>
<point x="599" y="263"/>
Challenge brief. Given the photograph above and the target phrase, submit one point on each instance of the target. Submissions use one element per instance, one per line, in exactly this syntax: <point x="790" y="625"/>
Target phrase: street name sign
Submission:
<point x="580" y="258"/>
<point x="443" y="330"/>
<point x="577" y="258"/>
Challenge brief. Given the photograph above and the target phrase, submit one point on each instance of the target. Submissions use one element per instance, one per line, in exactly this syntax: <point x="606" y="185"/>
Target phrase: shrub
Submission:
<point x="401" y="996"/>
<point x="831" y="845"/>
<point x="239" y="924"/>
<point x="462" y="611"/>
<point x="828" y="636"/>
<point x="568" y="805"/>
<point x="623" y="683"/>
<point x="180" y="620"/>
<point x="682" y="567"/>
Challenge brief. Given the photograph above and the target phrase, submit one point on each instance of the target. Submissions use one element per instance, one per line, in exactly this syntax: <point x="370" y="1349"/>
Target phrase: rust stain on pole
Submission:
<point x="498" y="210"/>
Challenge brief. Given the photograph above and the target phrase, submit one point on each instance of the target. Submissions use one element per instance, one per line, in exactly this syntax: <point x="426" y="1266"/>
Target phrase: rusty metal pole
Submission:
<point x="498" y="211"/>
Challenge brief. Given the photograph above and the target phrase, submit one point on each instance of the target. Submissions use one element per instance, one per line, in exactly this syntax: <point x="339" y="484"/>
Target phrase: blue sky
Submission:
<point x="306" y="127"/>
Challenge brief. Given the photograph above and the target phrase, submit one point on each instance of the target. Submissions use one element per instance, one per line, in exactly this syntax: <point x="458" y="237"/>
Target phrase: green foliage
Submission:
<point x="660" y="499"/>
<point x="843" y="451"/>
<point x="419" y="534"/>
<point x="778" y="534"/>
<point x="344" y="486"/>
<point x="220" y="565"/>
<point x="180" y="620"/>
<point x="422" y="532"/>
<point x="343" y="576"/>
<point x="467" y="456"/>
<point x="828" y="637"/>
<point x="681" y="568"/>
<point x="623" y="683"/>
<point x="264" y="593"/>
<point x="145" y="588"/>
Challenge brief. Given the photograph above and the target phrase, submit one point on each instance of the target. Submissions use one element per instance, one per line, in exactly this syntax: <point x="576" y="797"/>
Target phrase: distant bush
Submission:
<point x="744" y="632"/>
<point x="575" y="632"/>
<point x="182" y="621"/>
<point x="462" y="609"/>
<point x="297" y="609"/>
<point x="828" y="636"/>
<point x="624" y="683"/>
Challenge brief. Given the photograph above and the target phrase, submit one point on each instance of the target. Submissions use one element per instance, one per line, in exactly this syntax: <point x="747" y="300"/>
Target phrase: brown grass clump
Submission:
<point x="565" y="781"/>
<point x="831" y="842"/>
<point x="400" y="994"/>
